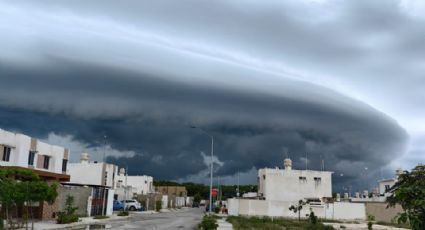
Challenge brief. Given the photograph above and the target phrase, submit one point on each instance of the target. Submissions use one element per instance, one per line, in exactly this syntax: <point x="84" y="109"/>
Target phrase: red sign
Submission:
<point x="214" y="192"/>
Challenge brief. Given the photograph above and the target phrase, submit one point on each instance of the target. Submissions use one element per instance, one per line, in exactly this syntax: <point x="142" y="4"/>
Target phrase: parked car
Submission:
<point x="118" y="205"/>
<point x="131" y="205"/>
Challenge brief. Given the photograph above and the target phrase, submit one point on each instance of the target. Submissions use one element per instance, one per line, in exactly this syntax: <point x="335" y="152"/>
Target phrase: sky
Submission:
<point x="333" y="80"/>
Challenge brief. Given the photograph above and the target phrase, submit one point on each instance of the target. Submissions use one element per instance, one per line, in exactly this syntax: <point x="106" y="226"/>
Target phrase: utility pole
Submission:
<point x="238" y="193"/>
<point x="211" y="165"/>
<point x="104" y="147"/>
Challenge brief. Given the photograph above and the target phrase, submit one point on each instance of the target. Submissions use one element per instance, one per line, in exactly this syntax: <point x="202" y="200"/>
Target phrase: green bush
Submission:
<point x="123" y="213"/>
<point x="208" y="223"/>
<point x="1" y="224"/>
<point x="63" y="218"/>
<point x="217" y="209"/>
<point x="158" y="205"/>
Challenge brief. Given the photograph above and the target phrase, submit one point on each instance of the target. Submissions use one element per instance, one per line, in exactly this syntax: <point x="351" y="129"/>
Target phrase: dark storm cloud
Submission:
<point x="251" y="128"/>
<point x="264" y="77"/>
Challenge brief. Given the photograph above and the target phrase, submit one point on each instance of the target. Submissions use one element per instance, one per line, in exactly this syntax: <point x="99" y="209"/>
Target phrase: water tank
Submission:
<point x="287" y="163"/>
<point x="85" y="158"/>
<point x="122" y="171"/>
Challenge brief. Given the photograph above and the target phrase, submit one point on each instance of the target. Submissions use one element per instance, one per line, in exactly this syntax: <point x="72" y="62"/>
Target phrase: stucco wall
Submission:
<point x="381" y="212"/>
<point x="339" y="210"/>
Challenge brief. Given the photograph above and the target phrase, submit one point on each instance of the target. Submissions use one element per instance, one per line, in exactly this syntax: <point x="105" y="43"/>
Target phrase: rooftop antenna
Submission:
<point x="323" y="163"/>
<point x="306" y="160"/>
<point x="237" y="194"/>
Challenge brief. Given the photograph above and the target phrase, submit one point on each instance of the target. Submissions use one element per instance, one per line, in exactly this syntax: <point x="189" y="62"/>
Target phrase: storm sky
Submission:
<point x="338" y="81"/>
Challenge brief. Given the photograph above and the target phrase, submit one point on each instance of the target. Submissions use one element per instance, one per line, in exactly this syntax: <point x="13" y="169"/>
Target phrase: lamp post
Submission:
<point x="211" y="167"/>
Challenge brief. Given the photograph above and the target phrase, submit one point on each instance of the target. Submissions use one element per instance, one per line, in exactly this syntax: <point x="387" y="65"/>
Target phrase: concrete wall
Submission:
<point x="81" y="197"/>
<point x="340" y="211"/>
<point x="110" y="202"/>
<point x="286" y="185"/>
<point x="164" y="201"/>
<point x="149" y="200"/>
<point x="382" y="213"/>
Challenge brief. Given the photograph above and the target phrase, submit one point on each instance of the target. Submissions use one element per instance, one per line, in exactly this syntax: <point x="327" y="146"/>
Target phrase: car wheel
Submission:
<point x="132" y="208"/>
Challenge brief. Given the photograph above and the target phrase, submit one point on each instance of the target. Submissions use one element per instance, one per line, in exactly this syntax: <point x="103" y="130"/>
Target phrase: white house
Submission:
<point x="100" y="177"/>
<point x="49" y="162"/>
<point x="93" y="173"/>
<point x="386" y="184"/>
<point x="19" y="150"/>
<point x="292" y="185"/>
<point x="140" y="185"/>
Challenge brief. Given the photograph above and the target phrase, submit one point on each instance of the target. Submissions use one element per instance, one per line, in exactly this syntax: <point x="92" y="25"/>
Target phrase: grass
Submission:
<point x="209" y="223"/>
<point x="123" y="213"/>
<point x="100" y="217"/>
<point x="266" y="223"/>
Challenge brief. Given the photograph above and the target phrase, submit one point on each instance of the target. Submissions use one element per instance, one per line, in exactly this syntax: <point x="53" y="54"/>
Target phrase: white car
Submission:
<point x="131" y="205"/>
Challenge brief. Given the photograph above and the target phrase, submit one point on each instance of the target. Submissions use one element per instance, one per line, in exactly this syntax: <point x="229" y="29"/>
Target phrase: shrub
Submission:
<point x="158" y="205"/>
<point x="1" y="224"/>
<point x="68" y="216"/>
<point x="217" y="209"/>
<point x="100" y="217"/>
<point x="370" y="223"/>
<point x="63" y="218"/>
<point x="123" y="213"/>
<point x="208" y="223"/>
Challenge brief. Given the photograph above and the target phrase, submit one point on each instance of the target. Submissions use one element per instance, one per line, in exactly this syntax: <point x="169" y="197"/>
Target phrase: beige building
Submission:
<point x="172" y="190"/>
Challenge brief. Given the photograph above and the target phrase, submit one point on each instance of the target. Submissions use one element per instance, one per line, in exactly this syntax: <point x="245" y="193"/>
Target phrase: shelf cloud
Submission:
<point x="265" y="79"/>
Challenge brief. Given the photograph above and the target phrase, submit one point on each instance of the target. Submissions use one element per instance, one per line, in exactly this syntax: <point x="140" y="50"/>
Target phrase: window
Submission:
<point x="31" y="157"/>
<point x="64" y="165"/>
<point x="46" y="162"/>
<point x="387" y="187"/>
<point x="303" y="179"/>
<point x="6" y="153"/>
<point x="264" y="177"/>
<point x="317" y="181"/>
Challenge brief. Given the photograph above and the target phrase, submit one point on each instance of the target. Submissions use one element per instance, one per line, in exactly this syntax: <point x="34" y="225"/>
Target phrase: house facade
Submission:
<point x="97" y="180"/>
<point x="49" y="162"/>
<point x="292" y="185"/>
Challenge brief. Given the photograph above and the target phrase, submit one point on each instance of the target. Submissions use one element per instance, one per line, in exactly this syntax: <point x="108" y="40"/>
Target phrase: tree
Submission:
<point x="409" y="192"/>
<point x="298" y="208"/>
<point x="19" y="188"/>
<point x="197" y="198"/>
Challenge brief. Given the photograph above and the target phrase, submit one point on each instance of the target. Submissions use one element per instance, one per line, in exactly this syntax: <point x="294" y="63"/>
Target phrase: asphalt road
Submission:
<point x="181" y="219"/>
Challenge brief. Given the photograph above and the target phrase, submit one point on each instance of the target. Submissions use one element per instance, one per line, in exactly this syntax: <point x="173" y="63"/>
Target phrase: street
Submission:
<point x="180" y="219"/>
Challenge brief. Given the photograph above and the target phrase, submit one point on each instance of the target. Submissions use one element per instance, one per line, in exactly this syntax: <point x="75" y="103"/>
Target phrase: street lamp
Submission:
<point x="211" y="167"/>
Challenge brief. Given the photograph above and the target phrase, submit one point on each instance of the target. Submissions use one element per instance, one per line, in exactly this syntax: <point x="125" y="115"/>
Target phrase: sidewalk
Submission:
<point x="224" y="225"/>
<point x="51" y="225"/>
